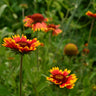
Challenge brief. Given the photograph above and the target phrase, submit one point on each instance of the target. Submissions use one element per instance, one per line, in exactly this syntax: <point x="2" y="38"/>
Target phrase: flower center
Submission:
<point x="59" y="76"/>
<point x="37" y="17"/>
<point x="23" y="44"/>
<point x="52" y="26"/>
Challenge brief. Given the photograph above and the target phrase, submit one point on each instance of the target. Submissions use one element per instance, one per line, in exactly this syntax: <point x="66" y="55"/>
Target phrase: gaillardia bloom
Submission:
<point x="54" y="28"/>
<point x="42" y="44"/>
<point x="86" y="44"/>
<point x="62" y="78"/>
<point x="70" y="49"/>
<point x="85" y="50"/>
<point x="91" y="14"/>
<point x="36" y="21"/>
<point x="21" y="45"/>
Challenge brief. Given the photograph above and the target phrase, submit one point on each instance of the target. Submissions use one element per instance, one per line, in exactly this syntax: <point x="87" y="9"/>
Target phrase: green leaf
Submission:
<point x="42" y="86"/>
<point x="92" y="76"/>
<point x="5" y="32"/>
<point x="4" y="91"/>
<point x="2" y="8"/>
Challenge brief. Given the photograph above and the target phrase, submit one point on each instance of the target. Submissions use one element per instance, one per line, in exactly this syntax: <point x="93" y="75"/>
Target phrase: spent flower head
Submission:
<point x="25" y="6"/>
<point x="70" y="49"/>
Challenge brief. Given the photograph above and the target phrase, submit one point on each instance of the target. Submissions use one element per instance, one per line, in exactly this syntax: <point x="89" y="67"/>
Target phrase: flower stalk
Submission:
<point x="90" y="30"/>
<point x="21" y="75"/>
<point x="23" y="17"/>
<point x="37" y="55"/>
<point x="57" y="89"/>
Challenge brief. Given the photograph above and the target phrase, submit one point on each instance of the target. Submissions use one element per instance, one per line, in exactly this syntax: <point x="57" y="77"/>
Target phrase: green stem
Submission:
<point x="21" y="75"/>
<point x="23" y="17"/>
<point x="37" y="55"/>
<point x="36" y="93"/>
<point x="23" y="13"/>
<point x="50" y="38"/>
<point x="37" y="60"/>
<point x="70" y="61"/>
<point x="57" y="89"/>
<point x="90" y="31"/>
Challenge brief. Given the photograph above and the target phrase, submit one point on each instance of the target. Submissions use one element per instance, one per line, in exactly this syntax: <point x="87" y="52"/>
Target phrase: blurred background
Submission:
<point x="75" y="26"/>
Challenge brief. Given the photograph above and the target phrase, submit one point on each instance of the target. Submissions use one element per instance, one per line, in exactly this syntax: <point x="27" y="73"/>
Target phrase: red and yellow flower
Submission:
<point x="36" y="21"/>
<point x="85" y="50"/>
<point x="89" y="13"/>
<point x="86" y="44"/>
<point x="42" y="44"/>
<point x="62" y="78"/>
<point x="54" y="28"/>
<point x="70" y="49"/>
<point x="21" y="45"/>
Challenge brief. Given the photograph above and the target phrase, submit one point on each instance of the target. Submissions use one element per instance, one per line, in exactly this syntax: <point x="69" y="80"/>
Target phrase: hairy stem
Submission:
<point x="21" y="75"/>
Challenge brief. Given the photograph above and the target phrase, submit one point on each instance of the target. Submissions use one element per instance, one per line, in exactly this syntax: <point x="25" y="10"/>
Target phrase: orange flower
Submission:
<point x="28" y="22"/>
<point x="21" y="45"/>
<point x="71" y="49"/>
<point x="10" y="58"/>
<point x="54" y="29"/>
<point x="86" y="50"/>
<point x="42" y="44"/>
<point x="89" y="13"/>
<point x="86" y="44"/>
<point x="36" y="22"/>
<point x="62" y="78"/>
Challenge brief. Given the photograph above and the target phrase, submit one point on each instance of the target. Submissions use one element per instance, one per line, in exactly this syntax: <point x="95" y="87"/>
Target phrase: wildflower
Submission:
<point x="62" y="78"/>
<point x="25" y="6"/>
<point x="89" y="13"/>
<point x="42" y="44"/>
<point x="54" y="28"/>
<point x="94" y="87"/>
<point x="85" y="50"/>
<point x="36" y="22"/>
<point x="71" y="49"/>
<point x="10" y="58"/>
<point x="28" y="22"/>
<point x="86" y="44"/>
<point x="21" y="45"/>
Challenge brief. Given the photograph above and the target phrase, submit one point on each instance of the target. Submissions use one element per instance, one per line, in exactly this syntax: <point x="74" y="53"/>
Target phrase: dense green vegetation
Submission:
<point x="75" y="26"/>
